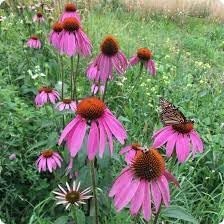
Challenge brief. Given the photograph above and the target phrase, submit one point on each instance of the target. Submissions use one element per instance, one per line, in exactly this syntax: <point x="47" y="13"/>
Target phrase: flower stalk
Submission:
<point x="93" y="176"/>
<point x="74" y="80"/>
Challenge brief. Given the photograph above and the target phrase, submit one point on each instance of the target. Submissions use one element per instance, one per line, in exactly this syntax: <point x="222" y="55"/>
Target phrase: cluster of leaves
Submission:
<point x="189" y="61"/>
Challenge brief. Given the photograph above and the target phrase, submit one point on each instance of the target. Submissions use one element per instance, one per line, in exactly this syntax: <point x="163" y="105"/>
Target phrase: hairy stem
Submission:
<point x="93" y="176"/>
<point x="71" y="77"/>
<point x="74" y="80"/>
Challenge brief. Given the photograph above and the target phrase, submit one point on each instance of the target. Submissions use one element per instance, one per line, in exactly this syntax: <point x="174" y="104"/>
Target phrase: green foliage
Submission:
<point x="190" y="74"/>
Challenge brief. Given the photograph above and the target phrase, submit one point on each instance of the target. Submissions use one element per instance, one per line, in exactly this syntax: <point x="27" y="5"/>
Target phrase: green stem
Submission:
<point x="62" y="77"/>
<point x="74" y="80"/>
<point x="93" y="176"/>
<point x="157" y="215"/>
<point x="71" y="77"/>
<point x="61" y="62"/>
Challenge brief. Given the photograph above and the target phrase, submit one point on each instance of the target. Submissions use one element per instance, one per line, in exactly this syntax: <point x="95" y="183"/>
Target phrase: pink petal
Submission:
<point x="151" y="67"/>
<point x="130" y="156"/>
<point x="138" y="198"/>
<point x="164" y="189"/>
<point x="102" y="139"/>
<point x="115" y="127"/>
<point x="171" y="178"/>
<point x="124" y="179"/>
<point x="156" y="195"/>
<point x="134" y="60"/>
<point x="162" y="137"/>
<point x="171" y="144"/>
<point x="146" y="206"/>
<point x="182" y="147"/>
<point x="158" y="132"/>
<point x="125" y="149"/>
<point x="196" y="141"/>
<point x="58" y="162"/>
<point x="68" y="128"/>
<point x="109" y="135"/>
<point x="76" y="140"/>
<point x="49" y="164"/>
<point x="93" y="141"/>
<point x="44" y="164"/>
<point x="127" y="195"/>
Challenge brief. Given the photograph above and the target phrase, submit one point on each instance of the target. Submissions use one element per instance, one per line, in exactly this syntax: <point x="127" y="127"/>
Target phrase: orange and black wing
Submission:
<point x="169" y="114"/>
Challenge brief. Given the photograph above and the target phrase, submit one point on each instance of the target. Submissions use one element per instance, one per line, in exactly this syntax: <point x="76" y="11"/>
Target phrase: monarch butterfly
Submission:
<point x="170" y="115"/>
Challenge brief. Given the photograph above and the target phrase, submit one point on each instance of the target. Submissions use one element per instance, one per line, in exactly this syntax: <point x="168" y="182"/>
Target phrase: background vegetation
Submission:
<point x="189" y="55"/>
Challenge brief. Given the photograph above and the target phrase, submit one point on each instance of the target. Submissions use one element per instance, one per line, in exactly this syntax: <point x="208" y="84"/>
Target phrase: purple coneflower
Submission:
<point x="144" y="56"/>
<point x="111" y="57"/>
<point x="48" y="160"/>
<point x="54" y="37"/>
<point x="66" y="104"/>
<point x="70" y="11"/>
<point x="72" y="196"/>
<point x="45" y="95"/>
<point x="39" y="18"/>
<point x="34" y="42"/>
<point x="93" y="114"/>
<point x="182" y="137"/>
<point x="73" y="40"/>
<point x="143" y="182"/>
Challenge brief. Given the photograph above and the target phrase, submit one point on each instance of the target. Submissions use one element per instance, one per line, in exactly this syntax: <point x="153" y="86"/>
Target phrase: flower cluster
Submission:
<point x="144" y="183"/>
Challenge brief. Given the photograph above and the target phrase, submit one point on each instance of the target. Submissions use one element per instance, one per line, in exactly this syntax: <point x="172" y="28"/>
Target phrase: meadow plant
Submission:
<point x="143" y="184"/>
<point x="34" y="42"/>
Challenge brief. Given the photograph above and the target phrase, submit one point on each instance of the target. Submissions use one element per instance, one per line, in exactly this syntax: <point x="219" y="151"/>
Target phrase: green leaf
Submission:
<point x="61" y="220"/>
<point x="80" y="216"/>
<point x="179" y="213"/>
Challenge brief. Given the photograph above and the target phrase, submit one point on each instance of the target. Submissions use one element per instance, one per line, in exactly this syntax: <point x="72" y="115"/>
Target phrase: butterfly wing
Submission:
<point x="169" y="114"/>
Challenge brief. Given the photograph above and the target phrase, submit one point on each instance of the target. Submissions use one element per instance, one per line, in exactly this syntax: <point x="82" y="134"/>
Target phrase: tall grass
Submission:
<point x="202" y="8"/>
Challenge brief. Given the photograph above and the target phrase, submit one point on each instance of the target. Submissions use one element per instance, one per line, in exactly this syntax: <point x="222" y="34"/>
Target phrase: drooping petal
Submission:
<point x="49" y="164"/>
<point x="120" y="182"/>
<point x="138" y="198"/>
<point x="158" y="132"/>
<point x="156" y="195"/>
<point x="102" y="139"/>
<point x="93" y="141"/>
<point x="115" y="127"/>
<point x="68" y="128"/>
<point x="146" y="206"/>
<point x="127" y="195"/>
<point x="171" y="178"/>
<point x="171" y="144"/>
<point x="182" y="147"/>
<point x="164" y="189"/>
<point x="109" y="135"/>
<point x="134" y="60"/>
<point x="151" y="67"/>
<point x="196" y="141"/>
<point x="104" y="68"/>
<point x="162" y="137"/>
<point x="77" y="138"/>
